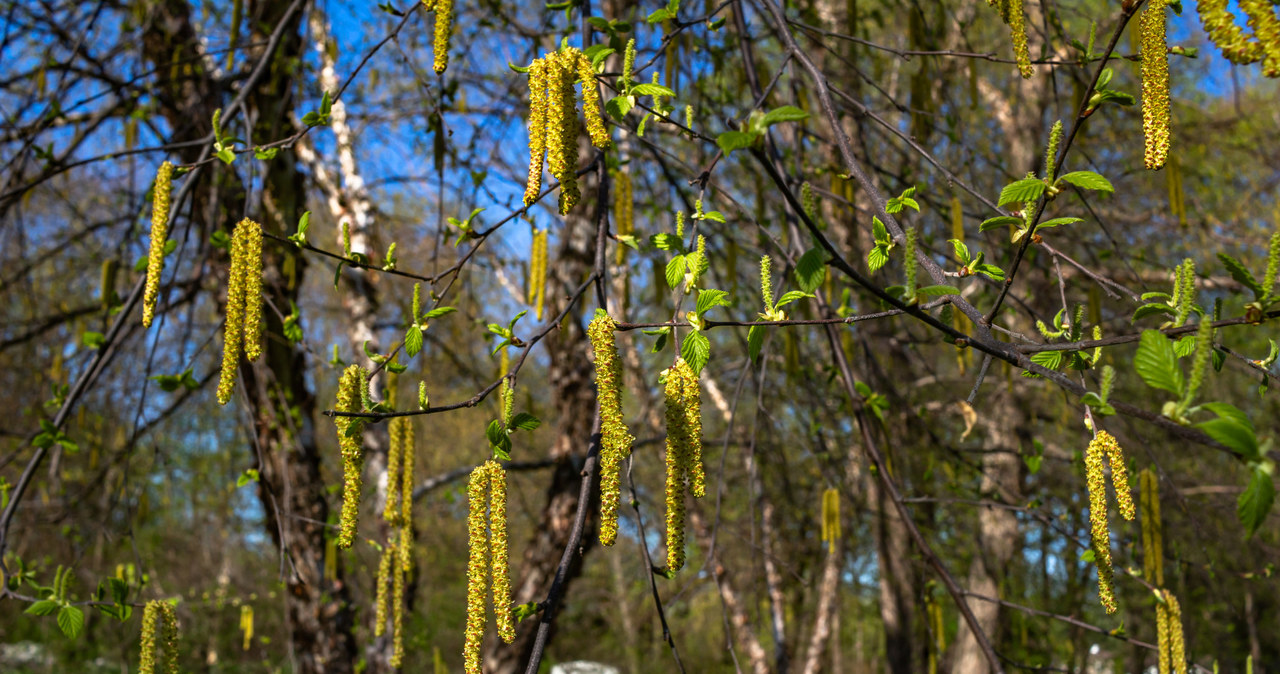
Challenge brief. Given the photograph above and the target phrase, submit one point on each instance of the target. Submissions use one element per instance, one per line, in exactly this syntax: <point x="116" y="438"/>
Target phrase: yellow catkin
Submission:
<point x="684" y="463"/>
<point x="159" y="635"/>
<point x="830" y="515"/>
<point x="562" y="140"/>
<point x="1152" y="528"/>
<point x="381" y="588"/>
<point x="444" y="26"/>
<point x="159" y="232"/>
<point x="233" y="334"/>
<point x="693" y="420"/>
<point x="407" y="441"/>
<point x="1018" y="28"/>
<point x="615" y="439"/>
<point x="501" y="555"/>
<point x="1266" y="28"/>
<point x="246" y="626"/>
<point x="252" y="252"/>
<point x="350" y="440"/>
<point x="1155" y="84"/>
<point x="1162" y="637"/>
<point x="477" y="568"/>
<point x="1100" y="534"/>
<point x="1221" y="26"/>
<point x="591" y="101"/>
<point x="623" y="211"/>
<point x="538" y="110"/>
<point x="1119" y="474"/>
<point x="400" y="574"/>
<point x="391" y="511"/>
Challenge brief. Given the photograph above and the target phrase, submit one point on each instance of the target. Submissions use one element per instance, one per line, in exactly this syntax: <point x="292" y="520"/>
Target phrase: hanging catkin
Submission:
<point x="159" y="232"/>
<point x="615" y="439"/>
<point x="1155" y="84"/>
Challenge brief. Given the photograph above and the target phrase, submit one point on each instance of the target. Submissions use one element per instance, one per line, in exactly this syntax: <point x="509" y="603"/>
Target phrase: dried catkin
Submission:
<point x="1155" y="84"/>
<point x="159" y="232"/>
<point x="615" y="439"/>
<point x="350" y="440"/>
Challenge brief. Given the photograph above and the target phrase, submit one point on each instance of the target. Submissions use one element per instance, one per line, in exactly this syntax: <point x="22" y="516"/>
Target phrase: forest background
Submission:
<point x="866" y="470"/>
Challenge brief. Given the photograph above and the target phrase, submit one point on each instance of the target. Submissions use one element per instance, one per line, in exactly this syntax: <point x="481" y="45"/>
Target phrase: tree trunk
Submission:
<point x="291" y="489"/>
<point x="571" y="384"/>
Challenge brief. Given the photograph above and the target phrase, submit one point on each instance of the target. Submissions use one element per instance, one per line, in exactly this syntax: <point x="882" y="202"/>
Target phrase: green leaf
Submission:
<point x="648" y="89"/>
<point x="1025" y="190"/>
<point x="991" y="271"/>
<point x="1157" y="364"/>
<point x="525" y="422"/>
<point x="755" y="341"/>
<point x="734" y="140"/>
<point x="1231" y="412"/>
<point x="998" y="221"/>
<point x="1049" y="360"/>
<point x="1255" y="503"/>
<point x="249" y="475"/>
<point x="962" y="251"/>
<point x="438" y="312"/>
<point x="495" y="432"/>
<point x="787" y="113"/>
<point x="877" y="257"/>
<point x="789" y="297"/>
<point x="93" y="340"/>
<point x="675" y="271"/>
<point x="666" y="241"/>
<point x="696" y="350"/>
<point x="71" y="621"/>
<point x="266" y="153"/>
<point x="413" y="341"/>
<point x="42" y="607"/>
<point x="879" y="232"/>
<point x="711" y="298"/>
<point x="1151" y="310"/>
<point x="811" y="269"/>
<point x="1233" y="434"/>
<point x="1241" y="275"/>
<point x="714" y="216"/>
<point x="226" y="154"/>
<point x="1087" y="180"/>
<point x="936" y="291"/>
<point x="1057" y="222"/>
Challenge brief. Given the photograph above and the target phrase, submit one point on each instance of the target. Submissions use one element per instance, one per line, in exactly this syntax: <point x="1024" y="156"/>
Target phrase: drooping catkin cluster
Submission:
<point x="350" y="440"/>
<point x="538" y="272"/>
<point x="489" y="557"/>
<point x="615" y="439"/>
<point x="443" y="29"/>
<point x="553" y="121"/>
<point x="623" y="210"/>
<point x="684" y="452"/>
<point x="1170" y="642"/>
<point x="244" y="305"/>
<point x="1155" y="84"/>
<point x="830" y="515"/>
<point x="159" y="232"/>
<point x="1105" y="445"/>
<point x="1184" y="290"/>
<point x="1237" y="47"/>
<point x="159" y="638"/>
<point x="1152" y="528"/>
